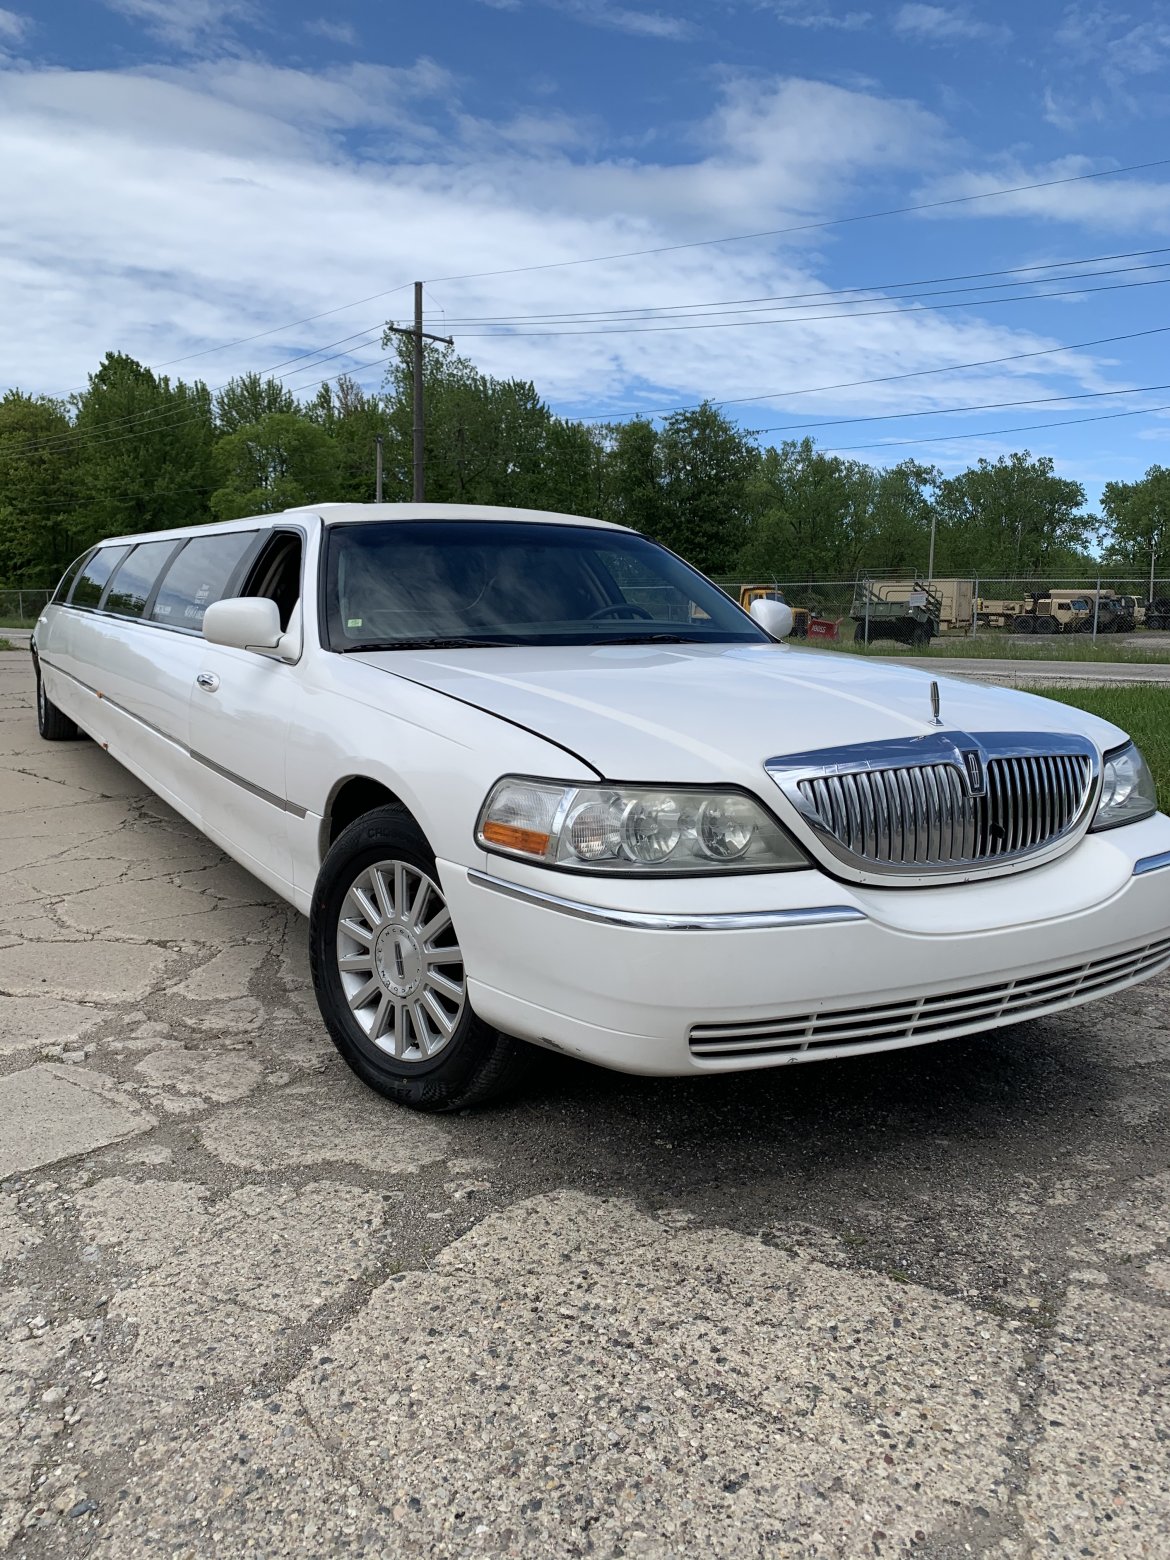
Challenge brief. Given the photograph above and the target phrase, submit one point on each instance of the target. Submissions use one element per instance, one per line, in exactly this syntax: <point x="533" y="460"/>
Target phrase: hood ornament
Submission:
<point x="934" y="705"/>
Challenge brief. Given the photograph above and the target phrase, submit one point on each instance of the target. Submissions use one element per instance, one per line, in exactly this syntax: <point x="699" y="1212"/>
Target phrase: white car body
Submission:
<point x="682" y="975"/>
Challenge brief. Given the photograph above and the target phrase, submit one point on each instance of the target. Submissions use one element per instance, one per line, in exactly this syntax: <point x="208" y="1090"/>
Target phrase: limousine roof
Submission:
<point x="336" y="514"/>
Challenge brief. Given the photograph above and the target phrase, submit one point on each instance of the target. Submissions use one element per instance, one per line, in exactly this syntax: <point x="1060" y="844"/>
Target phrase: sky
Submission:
<point x="221" y="185"/>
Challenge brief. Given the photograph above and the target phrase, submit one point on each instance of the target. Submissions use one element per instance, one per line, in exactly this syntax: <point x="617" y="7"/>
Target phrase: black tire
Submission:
<point x="1024" y="625"/>
<point x="475" y="1063"/>
<point x="1047" y="625"/>
<point x="51" y="723"/>
<point x="859" y="634"/>
<point x="919" y="636"/>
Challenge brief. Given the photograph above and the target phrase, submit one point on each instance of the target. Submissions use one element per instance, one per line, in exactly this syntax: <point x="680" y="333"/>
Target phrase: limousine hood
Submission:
<point x="697" y="713"/>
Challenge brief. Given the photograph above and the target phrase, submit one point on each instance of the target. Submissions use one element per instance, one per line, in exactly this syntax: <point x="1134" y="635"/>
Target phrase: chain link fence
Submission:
<point x="20" y="608"/>
<point x="1016" y="613"/>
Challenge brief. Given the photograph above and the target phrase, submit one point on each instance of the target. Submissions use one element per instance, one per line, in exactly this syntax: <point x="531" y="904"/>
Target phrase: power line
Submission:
<point x="277" y="329"/>
<point x="164" y="417"/>
<point x="970" y="303"/>
<point x="803" y="227"/>
<point x="880" y="379"/>
<point x="949" y="411"/>
<point x="572" y="316"/>
<point x="176" y="420"/>
<point x="834" y="299"/>
<point x="363" y="336"/>
<point x="988" y="433"/>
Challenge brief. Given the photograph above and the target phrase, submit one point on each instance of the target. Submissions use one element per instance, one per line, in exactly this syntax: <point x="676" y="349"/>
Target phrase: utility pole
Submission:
<point x="418" y="335"/>
<point x="930" y="565"/>
<point x="378" y="470"/>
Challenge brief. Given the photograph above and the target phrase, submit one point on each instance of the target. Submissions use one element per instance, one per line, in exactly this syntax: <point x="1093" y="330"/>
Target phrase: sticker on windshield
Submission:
<point x="353" y="622"/>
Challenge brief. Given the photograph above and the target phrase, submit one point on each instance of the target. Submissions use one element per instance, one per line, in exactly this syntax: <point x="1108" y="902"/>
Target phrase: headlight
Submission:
<point x="1128" y="792"/>
<point x="640" y="829"/>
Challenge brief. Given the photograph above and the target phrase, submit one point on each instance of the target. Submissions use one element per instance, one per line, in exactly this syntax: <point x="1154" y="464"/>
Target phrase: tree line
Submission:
<point x="136" y="451"/>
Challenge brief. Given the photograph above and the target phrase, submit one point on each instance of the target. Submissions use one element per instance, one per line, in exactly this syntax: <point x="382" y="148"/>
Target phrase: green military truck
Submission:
<point x="904" y="610"/>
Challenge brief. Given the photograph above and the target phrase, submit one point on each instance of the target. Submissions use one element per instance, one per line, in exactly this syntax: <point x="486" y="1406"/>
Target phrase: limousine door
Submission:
<point x="241" y="706"/>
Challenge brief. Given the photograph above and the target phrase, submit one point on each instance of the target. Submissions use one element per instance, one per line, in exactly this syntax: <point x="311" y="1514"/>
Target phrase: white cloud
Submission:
<point x="946" y="24"/>
<point x="335" y="32"/>
<point x="165" y="213"/>
<point x="185" y="23"/>
<point x="13" y="26"/>
<point x="616" y="18"/>
<point x="1115" y="204"/>
<point x="1115" y="41"/>
<point x="817" y="15"/>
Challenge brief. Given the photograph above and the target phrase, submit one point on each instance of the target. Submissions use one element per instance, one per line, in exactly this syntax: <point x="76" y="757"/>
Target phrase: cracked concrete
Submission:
<point x="918" y="1304"/>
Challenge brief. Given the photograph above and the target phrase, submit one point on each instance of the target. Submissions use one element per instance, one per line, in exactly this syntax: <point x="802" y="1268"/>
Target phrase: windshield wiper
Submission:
<point x="428" y="642"/>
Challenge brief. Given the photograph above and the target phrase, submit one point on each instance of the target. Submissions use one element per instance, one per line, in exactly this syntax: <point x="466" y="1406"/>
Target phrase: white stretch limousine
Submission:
<point x="534" y="779"/>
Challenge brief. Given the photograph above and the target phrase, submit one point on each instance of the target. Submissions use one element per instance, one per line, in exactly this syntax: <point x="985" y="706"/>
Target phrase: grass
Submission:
<point x="6" y="644"/>
<point x="1057" y="647"/>
<point x="1142" y="712"/>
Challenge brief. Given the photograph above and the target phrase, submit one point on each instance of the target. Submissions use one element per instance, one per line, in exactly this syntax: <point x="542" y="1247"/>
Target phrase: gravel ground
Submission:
<point x="917" y="1304"/>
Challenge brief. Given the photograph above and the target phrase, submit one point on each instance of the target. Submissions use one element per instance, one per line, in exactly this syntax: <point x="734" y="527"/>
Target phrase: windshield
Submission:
<point x="416" y="583"/>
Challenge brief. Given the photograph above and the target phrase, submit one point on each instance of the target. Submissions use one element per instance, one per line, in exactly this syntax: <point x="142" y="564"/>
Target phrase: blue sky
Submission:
<point x="179" y="174"/>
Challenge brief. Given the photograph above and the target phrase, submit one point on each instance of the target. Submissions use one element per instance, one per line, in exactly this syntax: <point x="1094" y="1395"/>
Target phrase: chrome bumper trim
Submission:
<point x="645" y="921"/>
<point x="1152" y="863"/>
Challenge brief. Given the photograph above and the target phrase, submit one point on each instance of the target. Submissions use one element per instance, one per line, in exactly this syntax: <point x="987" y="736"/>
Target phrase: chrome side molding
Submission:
<point x="647" y="921"/>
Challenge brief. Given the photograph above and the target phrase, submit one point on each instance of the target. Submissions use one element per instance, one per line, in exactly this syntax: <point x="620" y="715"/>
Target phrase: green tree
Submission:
<point x="1011" y="516"/>
<point x="706" y="464"/>
<point x="278" y="463"/>
<point x="248" y="399"/>
<point x="144" y="450"/>
<point x="41" y="527"/>
<point x="1138" y="516"/>
<point x="353" y="419"/>
<point x="631" y="488"/>
<point x="487" y="440"/>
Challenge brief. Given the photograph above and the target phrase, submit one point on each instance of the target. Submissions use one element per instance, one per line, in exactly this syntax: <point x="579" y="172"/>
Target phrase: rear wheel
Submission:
<point x="1047" y="625"/>
<point x="1024" y="625"/>
<point x="859" y="635"/>
<point x="389" y="974"/>
<point x="51" y="723"/>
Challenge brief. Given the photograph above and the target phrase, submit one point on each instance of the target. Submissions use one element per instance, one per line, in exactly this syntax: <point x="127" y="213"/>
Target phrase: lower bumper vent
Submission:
<point x="934" y="1017"/>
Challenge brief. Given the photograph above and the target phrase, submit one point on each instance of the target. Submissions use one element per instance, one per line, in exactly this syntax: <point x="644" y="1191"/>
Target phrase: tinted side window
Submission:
<point x="199" y="576"/>
<point x="134" y="581"/>
<point x="62" y="591"/>
<point x="88" y="587"/>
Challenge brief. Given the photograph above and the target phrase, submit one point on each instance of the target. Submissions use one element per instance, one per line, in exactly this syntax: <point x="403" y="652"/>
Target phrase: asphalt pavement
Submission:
<point x="916" y="1304"/>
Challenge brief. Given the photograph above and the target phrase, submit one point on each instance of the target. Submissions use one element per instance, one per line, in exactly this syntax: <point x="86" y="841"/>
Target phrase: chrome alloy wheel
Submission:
<point x="399" y="960"/>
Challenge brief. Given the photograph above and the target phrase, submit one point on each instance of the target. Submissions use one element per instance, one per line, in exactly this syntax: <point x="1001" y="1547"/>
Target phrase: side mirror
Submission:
<point x="774" y="617"/>
<point x="244" y="623"/>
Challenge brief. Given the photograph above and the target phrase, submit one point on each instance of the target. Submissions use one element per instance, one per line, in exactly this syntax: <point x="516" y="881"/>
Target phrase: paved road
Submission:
<point x="1034" y="673"/>
<point x="913" y="1305"/>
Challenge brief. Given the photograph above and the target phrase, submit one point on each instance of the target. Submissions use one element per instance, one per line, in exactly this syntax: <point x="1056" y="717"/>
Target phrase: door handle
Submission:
<point x="208" y="681"/>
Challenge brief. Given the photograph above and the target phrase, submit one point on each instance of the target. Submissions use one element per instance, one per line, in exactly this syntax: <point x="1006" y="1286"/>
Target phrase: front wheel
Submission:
<point x="389" y="975"/>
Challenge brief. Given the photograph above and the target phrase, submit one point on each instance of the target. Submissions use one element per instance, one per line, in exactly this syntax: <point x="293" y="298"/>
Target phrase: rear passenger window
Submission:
<point x="88" y="587"/>
<point x="132" y="584"/>
<point x="199" y="576"/>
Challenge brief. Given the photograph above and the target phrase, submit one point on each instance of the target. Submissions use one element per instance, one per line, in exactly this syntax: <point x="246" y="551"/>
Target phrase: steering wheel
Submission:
<point x="620" y="609"/>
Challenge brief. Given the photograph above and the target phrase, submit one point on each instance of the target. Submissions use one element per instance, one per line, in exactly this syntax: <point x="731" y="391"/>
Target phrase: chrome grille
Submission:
<point x="942" y="803"/>
<point x="935" y="1017"/>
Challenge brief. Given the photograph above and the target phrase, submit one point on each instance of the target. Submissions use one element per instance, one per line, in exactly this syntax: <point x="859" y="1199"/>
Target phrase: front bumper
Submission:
<point x="638" y="976"/>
